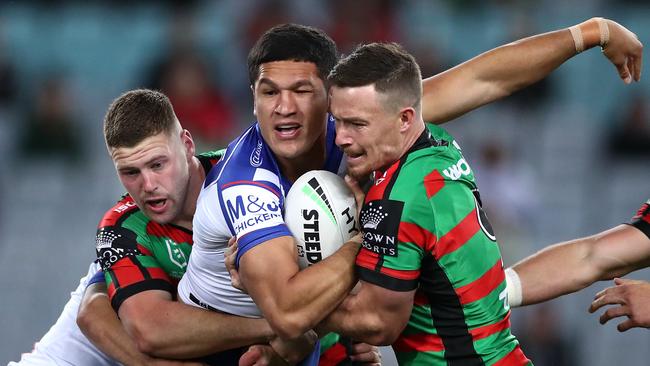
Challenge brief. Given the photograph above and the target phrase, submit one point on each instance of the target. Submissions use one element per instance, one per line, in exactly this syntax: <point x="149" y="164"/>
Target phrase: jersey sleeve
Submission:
<point x="392" y="249"/>
<point x="253" y="212"/>
<point x="641" y="220"/>
<point x="129" y="267"/>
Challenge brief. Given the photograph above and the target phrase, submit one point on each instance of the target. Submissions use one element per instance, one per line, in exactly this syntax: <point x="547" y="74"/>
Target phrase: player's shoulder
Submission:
<point x="123" y="209"/>
<point x="247" y="159"/>
<point x="443" y="160"/>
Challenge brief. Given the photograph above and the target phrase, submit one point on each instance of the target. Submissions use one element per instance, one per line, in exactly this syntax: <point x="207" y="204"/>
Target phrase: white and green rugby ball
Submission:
<point x="320" y="212"/>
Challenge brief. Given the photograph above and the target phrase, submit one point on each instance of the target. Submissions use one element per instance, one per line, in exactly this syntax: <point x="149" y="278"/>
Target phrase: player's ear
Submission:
<point x="254" y="106"/>
<point x="188" y="143"/>
<point x="406" y="118"/>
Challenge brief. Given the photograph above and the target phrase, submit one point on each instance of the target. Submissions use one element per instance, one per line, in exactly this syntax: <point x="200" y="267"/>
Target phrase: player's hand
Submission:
<point x="631" y="299"/>
<point x="261" y="355"/>
<point x="295" y="350"/>
<point x="366" y="354"/>
<point x="230" y="257"/>
<point x="625" y="51"/>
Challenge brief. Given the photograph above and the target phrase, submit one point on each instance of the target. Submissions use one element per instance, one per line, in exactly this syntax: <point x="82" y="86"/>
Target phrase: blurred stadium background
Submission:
<point x="565" y="158"/>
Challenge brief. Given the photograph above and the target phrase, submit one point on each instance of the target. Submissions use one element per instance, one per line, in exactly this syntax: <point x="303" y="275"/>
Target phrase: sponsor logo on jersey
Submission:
<point x="482" y="218"/>
<point x="380" y="222"/>
<point x="176" y="255"/>
<point x="457" y="170"/>
<point x="256" y="155"/>
<point x="113" y="244"/>
<point x="251" y="207"/>
<point x="124" y="207"/>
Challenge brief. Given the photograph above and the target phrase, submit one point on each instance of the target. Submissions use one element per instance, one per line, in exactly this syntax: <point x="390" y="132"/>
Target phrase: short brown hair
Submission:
<point x="388" y="66"/>
<point x="136" y="115"/>
<point x="293" y="42"/>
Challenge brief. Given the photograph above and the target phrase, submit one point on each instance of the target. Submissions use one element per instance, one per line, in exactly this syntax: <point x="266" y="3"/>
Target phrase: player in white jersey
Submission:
<point x="64" y="344"/>
<point x="244" y="195"/>
<point x="248" y="188"/>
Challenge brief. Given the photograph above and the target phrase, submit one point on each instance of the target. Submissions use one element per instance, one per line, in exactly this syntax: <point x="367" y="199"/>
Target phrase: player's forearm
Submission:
<point x="571" y="266"/>
<point x="99" y="323"/>
<point x="309" y="295"/>
<point x="170" y="329"/>
<point x="497" y="73"/>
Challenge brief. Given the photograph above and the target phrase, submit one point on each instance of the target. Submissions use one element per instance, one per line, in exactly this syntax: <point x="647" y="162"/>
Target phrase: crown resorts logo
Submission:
<point x="105" y="238"/>
<point x="372" y="217"/>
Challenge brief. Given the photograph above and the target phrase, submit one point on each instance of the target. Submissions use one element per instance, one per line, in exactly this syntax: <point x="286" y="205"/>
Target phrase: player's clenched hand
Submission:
<point x="625" y="51"/>
<point x="631" y="299"/>
<point x="365" y="354"/>
<point x="295" y="350"/>
<point x="230" y="255"/>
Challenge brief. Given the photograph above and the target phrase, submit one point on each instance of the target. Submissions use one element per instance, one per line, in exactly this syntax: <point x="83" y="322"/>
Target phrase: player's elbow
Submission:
<point x="145" y="336"/>
<point x="289" y="325"/>
<point x="89" y="316"/>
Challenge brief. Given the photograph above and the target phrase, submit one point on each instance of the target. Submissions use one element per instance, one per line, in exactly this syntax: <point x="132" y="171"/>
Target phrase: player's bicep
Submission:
<point x="138" y="308"/>
<point x="265" y="269"/>
<point x="388" y="304"/>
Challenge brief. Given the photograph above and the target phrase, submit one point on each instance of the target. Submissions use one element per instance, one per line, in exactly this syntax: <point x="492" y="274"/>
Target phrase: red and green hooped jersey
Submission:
<point x="138" y="254"/>
<point x="641" y="220"/>
<point x="424" y="230"/>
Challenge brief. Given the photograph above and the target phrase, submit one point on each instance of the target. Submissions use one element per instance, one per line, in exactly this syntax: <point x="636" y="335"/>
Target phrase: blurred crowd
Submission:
<point x="545" y="158"/>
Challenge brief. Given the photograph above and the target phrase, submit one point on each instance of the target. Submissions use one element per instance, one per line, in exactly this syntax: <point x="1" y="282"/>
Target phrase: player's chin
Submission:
<point x="360" y="173"/>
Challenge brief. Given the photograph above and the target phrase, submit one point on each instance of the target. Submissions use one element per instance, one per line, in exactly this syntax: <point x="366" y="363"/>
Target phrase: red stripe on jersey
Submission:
<point x="380" y="183"/>
<point x="178" y="235"/>
<point x="488" y="330"/>
<point x="126" y="204"/>
<point x="158" y="273"/>
<point x="401" y="274"/>
<point x="420" y="299"/>
<point x="412" y="233"/>
<point x="457" y="236"/>
<point x="126" y="272"/>
<point x="367" y="259"/>
<point x="422" y="342"/>
<point x="333" y="356"/>
<point x="144" y="250"/>
<point x="482" y="286"/>
<point x="643" y="213"/>
<point x="514" y="358"/>
<point x="111" y="290"/>
<point x="433" y="182"/>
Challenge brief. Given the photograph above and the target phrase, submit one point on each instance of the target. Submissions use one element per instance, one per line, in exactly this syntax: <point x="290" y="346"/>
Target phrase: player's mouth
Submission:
<point x="287" y="130"/>
<point x="157" y="206"/>
<point x="354" y="157"/>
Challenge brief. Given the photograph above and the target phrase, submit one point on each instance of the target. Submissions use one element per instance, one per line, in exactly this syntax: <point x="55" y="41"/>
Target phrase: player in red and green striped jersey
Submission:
<point x="432" y="279"/>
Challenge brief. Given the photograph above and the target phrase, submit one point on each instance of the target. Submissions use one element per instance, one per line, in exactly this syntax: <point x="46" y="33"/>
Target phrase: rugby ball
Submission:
<point x="320" y="212"/>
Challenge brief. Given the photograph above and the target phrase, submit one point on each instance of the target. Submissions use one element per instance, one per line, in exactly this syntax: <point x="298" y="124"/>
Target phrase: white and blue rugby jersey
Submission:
<point x="243" y="195"/>
<point x="64" y="344"/>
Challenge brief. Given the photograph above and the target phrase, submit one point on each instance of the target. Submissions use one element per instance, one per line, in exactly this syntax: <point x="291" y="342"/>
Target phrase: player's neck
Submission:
<point x="197" y="176"/>
<point x="412" y="136"/>
<point x="314" y="159"/>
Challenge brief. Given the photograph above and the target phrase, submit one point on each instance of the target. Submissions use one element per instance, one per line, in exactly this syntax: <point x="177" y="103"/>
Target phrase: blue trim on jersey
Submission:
<point x="250" y="240"/>
<point x="333" y="155"/>
<point x="250" y="154"/>
<point x="97" y="277"/>
<point x="313" y="358"/>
